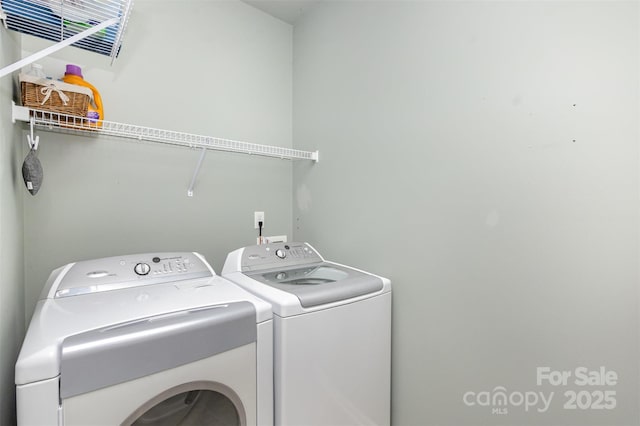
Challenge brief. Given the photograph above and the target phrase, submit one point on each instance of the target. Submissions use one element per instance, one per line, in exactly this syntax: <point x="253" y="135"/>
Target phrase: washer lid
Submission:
<point x="321" y="283"/>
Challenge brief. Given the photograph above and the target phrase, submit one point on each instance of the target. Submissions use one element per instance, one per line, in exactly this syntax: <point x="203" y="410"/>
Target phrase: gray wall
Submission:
<point x="218" y="68"/>
<point x="484" y="156"/>
<point x="11" y="237"/>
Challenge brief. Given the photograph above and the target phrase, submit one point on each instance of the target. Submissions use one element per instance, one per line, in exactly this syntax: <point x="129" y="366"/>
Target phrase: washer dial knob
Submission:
<point x="281" y="253"/>
<point x="142" y="269"/>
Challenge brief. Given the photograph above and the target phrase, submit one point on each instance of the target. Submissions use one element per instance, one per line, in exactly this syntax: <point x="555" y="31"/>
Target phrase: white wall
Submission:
<point x="218" y="68"/>
<point x="484" y="156"/>
<point x="11" y="237"/>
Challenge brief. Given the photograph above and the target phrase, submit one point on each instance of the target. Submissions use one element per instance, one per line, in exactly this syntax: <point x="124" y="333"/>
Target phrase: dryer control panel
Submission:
<point x="277" y="255"/>
<point x="114" y="273"/>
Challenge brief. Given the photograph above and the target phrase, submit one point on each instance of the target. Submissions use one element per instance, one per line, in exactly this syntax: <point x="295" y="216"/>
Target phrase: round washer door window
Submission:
<point x="191" y="407"/>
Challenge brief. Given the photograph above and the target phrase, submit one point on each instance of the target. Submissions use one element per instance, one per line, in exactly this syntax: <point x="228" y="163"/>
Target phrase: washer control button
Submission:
<point x="156" y="259"/>
<point x="281" y="253"/>
<point x="142" y="269"/>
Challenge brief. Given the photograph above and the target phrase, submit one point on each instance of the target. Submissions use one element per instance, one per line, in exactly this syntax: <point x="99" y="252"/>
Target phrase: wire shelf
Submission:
<point x="73" y="124"/>
<point x="59" y="20"/>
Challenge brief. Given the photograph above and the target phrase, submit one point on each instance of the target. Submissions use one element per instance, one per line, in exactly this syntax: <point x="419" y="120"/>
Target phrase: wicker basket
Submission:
<point x="45" y="94"/>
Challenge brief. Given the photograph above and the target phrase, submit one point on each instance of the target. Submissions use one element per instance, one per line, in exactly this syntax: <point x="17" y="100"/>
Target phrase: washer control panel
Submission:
<point x="113" y="273"/>
<point x="268" y="256"/>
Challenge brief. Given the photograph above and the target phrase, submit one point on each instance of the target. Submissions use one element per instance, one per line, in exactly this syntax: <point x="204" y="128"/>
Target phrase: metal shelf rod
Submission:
<point x="73" y="124"/>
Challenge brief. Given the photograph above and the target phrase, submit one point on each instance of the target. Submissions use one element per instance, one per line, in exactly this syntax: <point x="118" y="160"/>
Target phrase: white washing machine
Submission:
<point x="332" y="334"/>
<point x="146" y="339"/>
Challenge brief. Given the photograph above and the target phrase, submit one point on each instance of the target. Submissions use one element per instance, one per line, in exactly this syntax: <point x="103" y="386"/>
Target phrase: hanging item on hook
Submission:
<point x="31" y="167"/>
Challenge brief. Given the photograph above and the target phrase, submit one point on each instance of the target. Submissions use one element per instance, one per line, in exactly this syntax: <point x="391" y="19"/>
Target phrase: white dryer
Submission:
<point x="332" y="334"/>
<point x="146" y="339"/>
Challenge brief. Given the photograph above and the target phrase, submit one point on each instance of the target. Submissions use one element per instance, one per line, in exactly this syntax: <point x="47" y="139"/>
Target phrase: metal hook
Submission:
<point x="33" y="141"/>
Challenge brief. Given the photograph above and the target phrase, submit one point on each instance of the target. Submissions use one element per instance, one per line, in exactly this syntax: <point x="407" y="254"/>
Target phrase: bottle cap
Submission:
<point x="73" y="70"/>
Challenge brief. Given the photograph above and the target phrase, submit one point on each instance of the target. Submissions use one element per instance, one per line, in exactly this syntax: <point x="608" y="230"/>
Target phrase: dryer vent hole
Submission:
<point x="192" y="408"/>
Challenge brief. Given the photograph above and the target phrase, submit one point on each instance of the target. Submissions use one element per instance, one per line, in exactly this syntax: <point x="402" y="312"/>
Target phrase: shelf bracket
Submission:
<point x="19" y="113"/>
<point x="59" y="45"/>
<point x="195" y="172"/>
